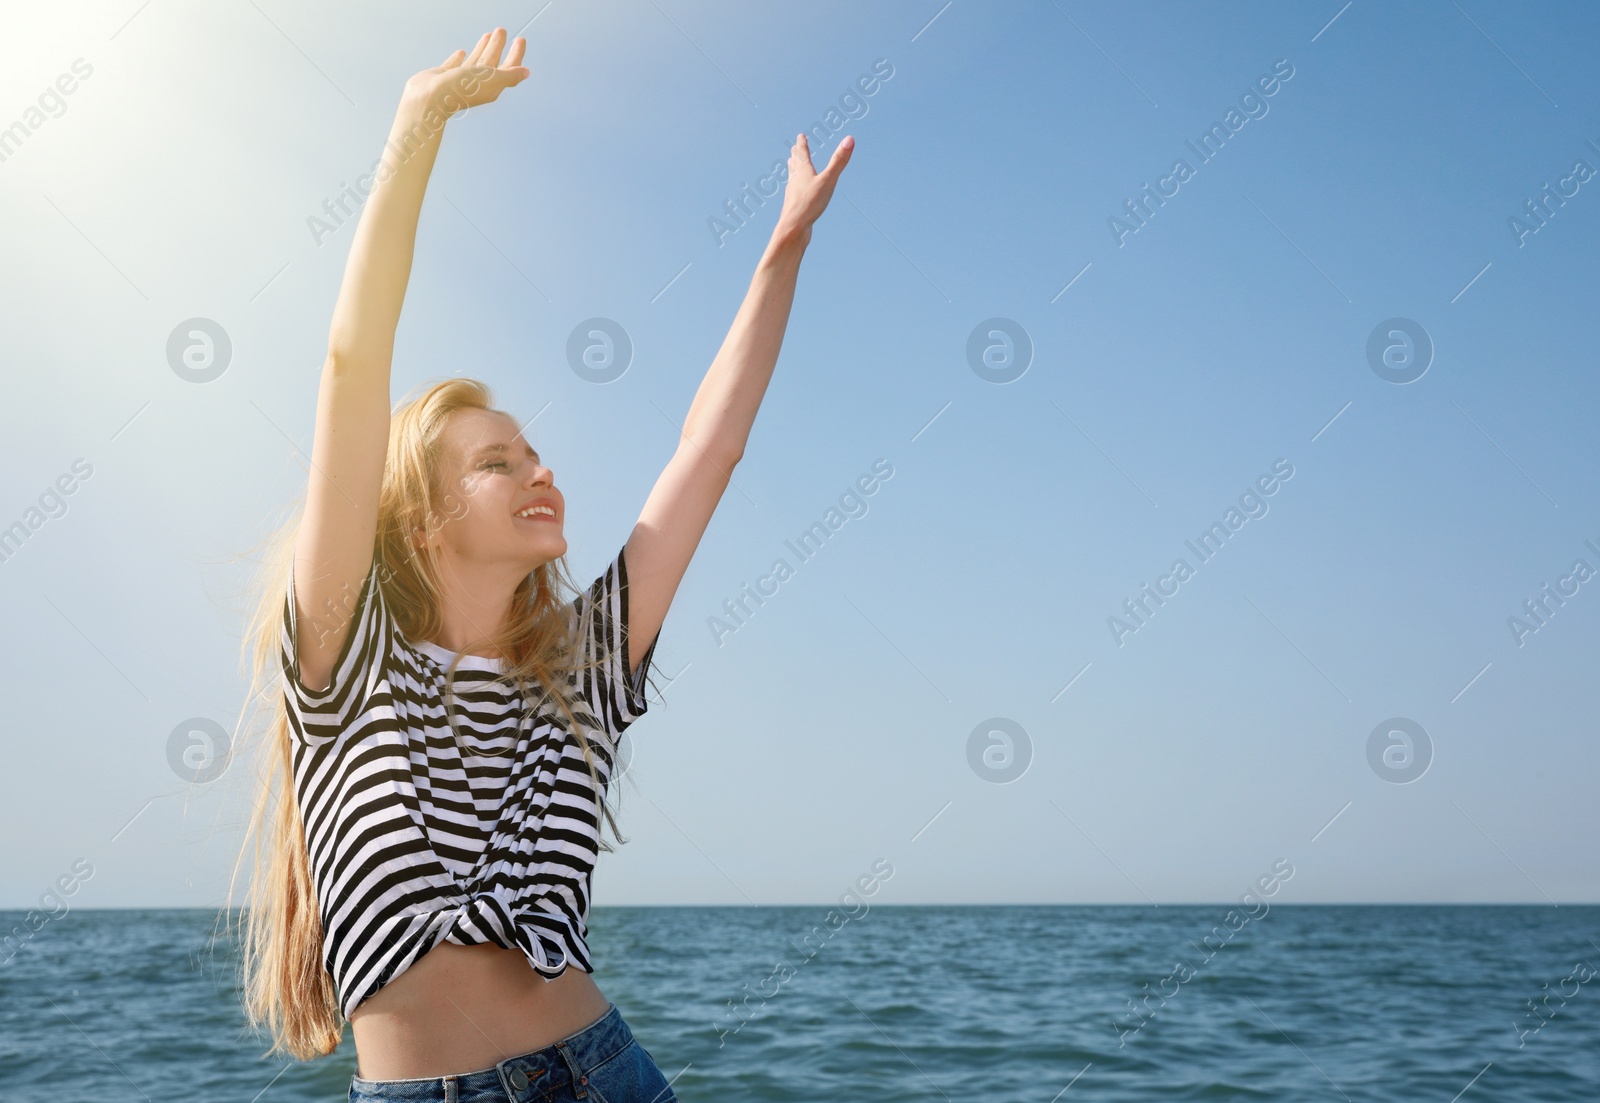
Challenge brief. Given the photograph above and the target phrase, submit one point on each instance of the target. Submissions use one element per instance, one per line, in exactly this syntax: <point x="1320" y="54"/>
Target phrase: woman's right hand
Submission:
<point x="468" y="80"/>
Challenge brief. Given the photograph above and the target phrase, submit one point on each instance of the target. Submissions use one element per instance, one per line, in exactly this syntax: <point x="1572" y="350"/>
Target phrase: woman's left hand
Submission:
<point x="808" y="191"/>
<point x="470" y="80"/>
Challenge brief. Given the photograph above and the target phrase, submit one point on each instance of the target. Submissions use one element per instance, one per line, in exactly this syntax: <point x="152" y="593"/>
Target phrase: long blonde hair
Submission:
<point x="286" y="984"/>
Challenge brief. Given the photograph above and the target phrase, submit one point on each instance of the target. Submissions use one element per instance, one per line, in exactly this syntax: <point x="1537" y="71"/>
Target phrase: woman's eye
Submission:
<point x="498" y="463"/>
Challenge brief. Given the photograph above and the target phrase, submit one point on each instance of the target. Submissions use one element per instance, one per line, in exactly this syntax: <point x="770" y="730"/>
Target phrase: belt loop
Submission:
<point x="451" y="1093"/>
<point x="580" y="1080"/>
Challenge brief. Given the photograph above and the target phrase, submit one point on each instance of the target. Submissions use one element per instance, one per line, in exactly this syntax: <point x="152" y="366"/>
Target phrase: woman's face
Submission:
<point x="498" y="504"/>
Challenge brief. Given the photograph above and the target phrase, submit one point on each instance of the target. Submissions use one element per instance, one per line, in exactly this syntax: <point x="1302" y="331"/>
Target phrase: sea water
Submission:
<point x="1005" y="1003"/>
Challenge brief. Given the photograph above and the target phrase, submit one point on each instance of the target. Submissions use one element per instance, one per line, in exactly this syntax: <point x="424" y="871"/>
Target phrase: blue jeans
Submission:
<point x="602" y="1063"/>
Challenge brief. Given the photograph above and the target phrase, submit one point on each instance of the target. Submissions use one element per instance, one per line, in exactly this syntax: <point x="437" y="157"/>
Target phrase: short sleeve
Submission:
<point x="616" y="699"/>
<point x="318" y="716"/>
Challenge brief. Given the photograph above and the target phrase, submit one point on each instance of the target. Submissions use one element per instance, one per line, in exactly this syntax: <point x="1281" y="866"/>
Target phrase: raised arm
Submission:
<point x="718" y="425"/>
<point x="334" y="546"/>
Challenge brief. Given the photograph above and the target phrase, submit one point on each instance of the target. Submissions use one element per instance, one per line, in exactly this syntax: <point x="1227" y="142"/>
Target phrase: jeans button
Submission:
<point x="519" y="1079"/>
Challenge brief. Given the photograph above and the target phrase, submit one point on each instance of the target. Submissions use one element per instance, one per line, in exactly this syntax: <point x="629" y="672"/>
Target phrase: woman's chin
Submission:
<point x="546" y="545"/>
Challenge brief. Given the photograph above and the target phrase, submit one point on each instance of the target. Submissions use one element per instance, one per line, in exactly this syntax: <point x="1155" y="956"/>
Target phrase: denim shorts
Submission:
<point x="602" y="1063"/>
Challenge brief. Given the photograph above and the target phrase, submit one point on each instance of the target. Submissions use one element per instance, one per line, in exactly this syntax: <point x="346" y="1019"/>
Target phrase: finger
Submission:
<point x="452" y="61"/>
<point x="477" y="51"/>
<point x="497" y="43"/>
<point x="507" y="77"/>
<point x="840" y="158"/>
<point x="800" y="157"/>
<point x="512" y="72"/>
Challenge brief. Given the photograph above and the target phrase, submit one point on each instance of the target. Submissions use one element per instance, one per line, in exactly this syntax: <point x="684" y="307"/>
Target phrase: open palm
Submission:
<point x="468" y="80"/>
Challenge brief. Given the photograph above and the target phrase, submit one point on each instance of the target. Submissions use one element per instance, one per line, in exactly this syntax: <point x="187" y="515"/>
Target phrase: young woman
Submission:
<point x="448" y="723"/>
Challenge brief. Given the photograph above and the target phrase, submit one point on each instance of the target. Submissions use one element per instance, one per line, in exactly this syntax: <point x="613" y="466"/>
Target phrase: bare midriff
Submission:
<point x="464" y="1008"/>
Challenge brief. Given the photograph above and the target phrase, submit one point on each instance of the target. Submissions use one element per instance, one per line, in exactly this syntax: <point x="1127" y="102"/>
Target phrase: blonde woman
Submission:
<point x="448" y="721"/>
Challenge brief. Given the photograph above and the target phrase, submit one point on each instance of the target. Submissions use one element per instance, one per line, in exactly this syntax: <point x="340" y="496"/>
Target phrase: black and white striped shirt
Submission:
<point x="418" y="837"/>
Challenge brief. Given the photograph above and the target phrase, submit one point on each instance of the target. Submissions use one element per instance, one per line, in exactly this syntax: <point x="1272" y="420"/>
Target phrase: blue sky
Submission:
<point x="1168" y="373"/>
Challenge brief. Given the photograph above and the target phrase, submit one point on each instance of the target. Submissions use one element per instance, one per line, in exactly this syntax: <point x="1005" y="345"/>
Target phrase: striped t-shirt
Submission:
<point x="418" y="837"/>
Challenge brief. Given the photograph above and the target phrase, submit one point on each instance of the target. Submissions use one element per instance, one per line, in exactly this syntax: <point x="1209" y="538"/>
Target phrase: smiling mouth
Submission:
<point x="536" y="513"/>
